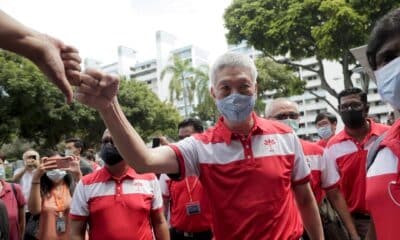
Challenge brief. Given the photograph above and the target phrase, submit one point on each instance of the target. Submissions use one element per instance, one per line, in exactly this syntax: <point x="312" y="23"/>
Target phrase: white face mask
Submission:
<point x="388" y="82"/>
<point x="325" y="132"/>
<point x="2" y="172"/>
<point x="56" y="175"/>
<point x="68" y="152"/>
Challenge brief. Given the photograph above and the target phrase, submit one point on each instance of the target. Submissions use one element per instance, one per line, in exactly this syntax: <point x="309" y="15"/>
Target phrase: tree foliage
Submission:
<point x="324" y="29"/>
<point x="277" y="79"/>
<point x="31" y="108"/>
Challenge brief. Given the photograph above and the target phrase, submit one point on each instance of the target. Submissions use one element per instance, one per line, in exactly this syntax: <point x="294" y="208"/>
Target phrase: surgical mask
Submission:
<point x="68" y="152"/>
<point x="353" y="119"/>
<point x="325" y="132"/>
<point x="236" y="107"/>
<point x="2" y="172"/>
<point x="110" y="154"/>
<point x="292" y="123"/>
<point x="56" y="175"/>
<point x="388" y="82"/>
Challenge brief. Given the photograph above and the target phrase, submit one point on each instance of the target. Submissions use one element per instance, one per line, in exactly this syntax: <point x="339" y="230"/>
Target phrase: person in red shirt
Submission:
<point x="383" y="176"/>
<point x="115" y="202"/>
<point x="252" y="169"/>
<point x="325" y="123"/>
<point x="287" y="112"/>
<point x="343" y="176"/>
<point x="15" y="202"/>
<point x="182" y="196"/>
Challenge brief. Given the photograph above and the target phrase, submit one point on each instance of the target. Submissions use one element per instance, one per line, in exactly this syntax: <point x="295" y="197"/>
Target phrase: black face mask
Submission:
<point x="353" y="119"/>
<point x="110" y="154"/>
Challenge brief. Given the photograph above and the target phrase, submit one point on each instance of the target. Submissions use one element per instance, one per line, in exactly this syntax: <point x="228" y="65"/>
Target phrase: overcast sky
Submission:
<point x="97" y="27"/>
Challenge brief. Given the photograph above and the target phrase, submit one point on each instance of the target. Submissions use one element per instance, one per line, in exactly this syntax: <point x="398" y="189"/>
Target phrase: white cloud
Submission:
<point x="97" y="27"/>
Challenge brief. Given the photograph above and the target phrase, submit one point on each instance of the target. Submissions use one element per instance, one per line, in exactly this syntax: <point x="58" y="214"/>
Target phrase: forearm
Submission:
<point x="21" y="220"/>
<point x="17" y="177"/>
<point x="129" y="143"/>
<point x="78" y="230"/>
<point x="15" y="36"/>
<point x="34" y="201"/>
<point x="339" y="204"/>
<point x="309" y="212"/>
<point x="161" y="231"/>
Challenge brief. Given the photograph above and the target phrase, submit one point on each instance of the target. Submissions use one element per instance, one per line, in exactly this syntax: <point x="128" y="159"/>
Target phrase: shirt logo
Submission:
<point x="138" y="184"/>
<point x="270" y="143"/>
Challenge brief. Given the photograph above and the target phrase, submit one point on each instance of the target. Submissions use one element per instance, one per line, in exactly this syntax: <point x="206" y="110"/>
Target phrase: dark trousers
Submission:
<point x="180" y="235"/>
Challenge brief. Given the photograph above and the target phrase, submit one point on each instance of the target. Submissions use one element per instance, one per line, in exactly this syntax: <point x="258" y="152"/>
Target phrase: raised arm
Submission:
<point x="99" y="90"/>
<point x="56" y="60"/>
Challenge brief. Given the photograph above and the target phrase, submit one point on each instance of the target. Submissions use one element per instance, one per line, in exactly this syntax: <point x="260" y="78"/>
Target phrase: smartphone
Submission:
<point x="156" y="142"/>
<point x="62" y="162"/>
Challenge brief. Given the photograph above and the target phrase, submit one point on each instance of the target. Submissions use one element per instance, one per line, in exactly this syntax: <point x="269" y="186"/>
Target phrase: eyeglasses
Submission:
<point x="355" y="106"/>
<point x="283" y="116"/>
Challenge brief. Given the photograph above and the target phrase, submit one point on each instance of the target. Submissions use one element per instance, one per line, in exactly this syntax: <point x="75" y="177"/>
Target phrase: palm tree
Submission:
<point x="182" y="81"/>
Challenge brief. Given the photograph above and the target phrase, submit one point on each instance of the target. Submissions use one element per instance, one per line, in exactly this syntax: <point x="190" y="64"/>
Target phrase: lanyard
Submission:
<point x="59" y="200"/>
<point x="190" y="190"/>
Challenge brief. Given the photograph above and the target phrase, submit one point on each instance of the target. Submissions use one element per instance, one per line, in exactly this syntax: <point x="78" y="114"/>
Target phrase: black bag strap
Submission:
<point x="14" y="191"/>
<point x="373" y="151"/>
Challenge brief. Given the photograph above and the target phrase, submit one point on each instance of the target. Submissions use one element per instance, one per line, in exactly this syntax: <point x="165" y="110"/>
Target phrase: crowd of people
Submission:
<point x="247" y="177"/>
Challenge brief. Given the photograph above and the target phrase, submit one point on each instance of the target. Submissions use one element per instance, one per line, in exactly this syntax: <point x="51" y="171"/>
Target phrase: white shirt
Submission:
<point x="25" y="182"/>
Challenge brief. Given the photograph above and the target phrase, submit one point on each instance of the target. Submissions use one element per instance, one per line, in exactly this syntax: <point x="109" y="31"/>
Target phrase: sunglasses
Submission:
<point x="283" y="116"/>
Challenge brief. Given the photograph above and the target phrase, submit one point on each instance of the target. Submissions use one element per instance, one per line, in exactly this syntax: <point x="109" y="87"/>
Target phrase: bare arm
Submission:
<point x="78" y="230"/>
<point x="160" y="225"/>
<point x="338" y="202"/>
<point x="55" y="59"/>
<point x="21" y="221"/>
<point x="35" y="200"/>
<point x="309" y="211"/>
<point x="99" y="91"/>
<point x="17" y="177"/>
<point x="166" y="206"/>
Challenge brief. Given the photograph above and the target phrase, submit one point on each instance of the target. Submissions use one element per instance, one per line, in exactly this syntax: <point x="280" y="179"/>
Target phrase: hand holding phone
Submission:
<point x="62" y="162"/>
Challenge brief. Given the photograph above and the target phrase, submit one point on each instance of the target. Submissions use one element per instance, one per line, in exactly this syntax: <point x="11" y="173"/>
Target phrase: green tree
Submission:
<point x="276" y="78"/>
<point x="206" y="110"/>
<point x="324" y="29"/>
<point x="182" y="81"/>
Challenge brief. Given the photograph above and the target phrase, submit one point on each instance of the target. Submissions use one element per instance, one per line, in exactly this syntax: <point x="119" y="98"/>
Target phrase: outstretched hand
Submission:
<point x="97" y="89"/>
<point x="59" y="62"/>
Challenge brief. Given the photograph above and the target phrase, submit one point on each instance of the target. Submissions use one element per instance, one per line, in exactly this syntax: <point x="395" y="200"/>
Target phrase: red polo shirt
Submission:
<point x="248" y="179"/>
<point x="322" y="143"/>
<point x="383" y="197"/>
<point x="13" y="203"/>
<point x="313" y="155"/>
<point x="184" y="192"/>
<point x="344" y="165"/>
<point x="117" y="208"/>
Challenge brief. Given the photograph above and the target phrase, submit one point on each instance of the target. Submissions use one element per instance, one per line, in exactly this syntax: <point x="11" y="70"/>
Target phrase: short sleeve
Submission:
<point x="164" y="185"/>
<point x="301" y="171"/>
<point x="157" y="198"/>
<point x="20" y="196"/>
<point x="187" y="155"/>
<point x="79" y="205"/>
<point x="329" y="171"/>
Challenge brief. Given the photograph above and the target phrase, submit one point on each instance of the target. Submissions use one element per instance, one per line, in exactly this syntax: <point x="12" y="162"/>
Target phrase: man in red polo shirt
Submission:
<point x="182" y="196"/>
<point x="345" y="158"/>
<point x="325" y="122"/>
<point x="116" y="202"/>
<point x="383" y="177"/>
<point x="252" y="169"/>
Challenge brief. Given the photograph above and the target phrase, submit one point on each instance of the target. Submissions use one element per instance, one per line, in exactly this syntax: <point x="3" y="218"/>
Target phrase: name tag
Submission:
<point x="193" y="208"/>
<point x="60" y="224"/>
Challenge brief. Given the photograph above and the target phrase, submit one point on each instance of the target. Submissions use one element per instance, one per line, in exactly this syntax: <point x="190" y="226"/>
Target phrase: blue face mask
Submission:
<point x="236" y="107"/>
<point x="388" y="81"/>
<point x="325" y="132"/>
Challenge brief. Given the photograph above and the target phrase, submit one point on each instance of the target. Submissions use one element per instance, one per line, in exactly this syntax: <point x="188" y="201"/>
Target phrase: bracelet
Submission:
<point x="35" y="182"/>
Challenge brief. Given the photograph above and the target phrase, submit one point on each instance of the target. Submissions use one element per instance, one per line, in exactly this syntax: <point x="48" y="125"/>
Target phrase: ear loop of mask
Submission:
<point x="397" y="182"/>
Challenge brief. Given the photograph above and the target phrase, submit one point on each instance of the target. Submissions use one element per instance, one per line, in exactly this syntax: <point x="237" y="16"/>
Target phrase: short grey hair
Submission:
<point x="270" y="107"/>
<point x="231" y="59"/>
